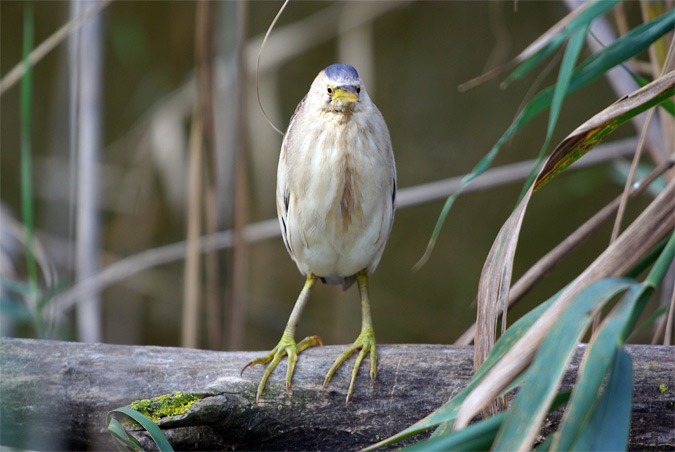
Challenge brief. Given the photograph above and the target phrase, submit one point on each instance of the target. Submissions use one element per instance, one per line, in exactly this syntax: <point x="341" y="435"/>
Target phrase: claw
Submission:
<point x="241" y="374"/>
<point x="285" y="347"/>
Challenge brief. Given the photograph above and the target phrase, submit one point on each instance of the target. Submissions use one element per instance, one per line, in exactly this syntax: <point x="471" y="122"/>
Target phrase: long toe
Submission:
<point x="285" y="347"/>
<point x="366" y="344"/>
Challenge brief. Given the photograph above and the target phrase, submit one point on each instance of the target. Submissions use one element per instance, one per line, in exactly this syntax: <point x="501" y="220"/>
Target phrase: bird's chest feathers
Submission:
<point x="341" y="166"/>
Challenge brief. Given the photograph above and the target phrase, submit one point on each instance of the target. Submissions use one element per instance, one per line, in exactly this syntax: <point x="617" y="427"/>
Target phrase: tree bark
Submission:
<point x="55" y="395"/>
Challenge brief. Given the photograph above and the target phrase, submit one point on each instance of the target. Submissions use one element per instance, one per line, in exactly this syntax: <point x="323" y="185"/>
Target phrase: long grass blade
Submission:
<point x="662" y="264"/>
<point x="595" y="365"/>
<point x="153" y="430"/>
<point x="667" y="105"/>
<point x="478" y="436"/>
<point x="609" y="426"/>
<point x="529" y="52"/>
<point x="27" y="167"/>
<point x="523" y="420"/>
<point x="590" y="11"/>
<point x="123" y="441"/>
<point x="569" y="60"/>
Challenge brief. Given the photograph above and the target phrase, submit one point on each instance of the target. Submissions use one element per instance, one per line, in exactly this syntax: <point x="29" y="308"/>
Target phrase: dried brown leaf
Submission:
<point x="596" y="129"/>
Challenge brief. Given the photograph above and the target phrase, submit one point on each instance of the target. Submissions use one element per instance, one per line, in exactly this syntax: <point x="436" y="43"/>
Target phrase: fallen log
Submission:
<point x="55" y="395"/>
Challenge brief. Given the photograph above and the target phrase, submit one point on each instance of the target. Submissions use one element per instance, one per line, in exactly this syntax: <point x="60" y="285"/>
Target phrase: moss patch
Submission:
<point x="166" y="405"/>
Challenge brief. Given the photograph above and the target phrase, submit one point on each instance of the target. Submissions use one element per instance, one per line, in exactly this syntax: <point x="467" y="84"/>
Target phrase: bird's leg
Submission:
<point x="287" y="345"/>
<point x="365" y="342"/>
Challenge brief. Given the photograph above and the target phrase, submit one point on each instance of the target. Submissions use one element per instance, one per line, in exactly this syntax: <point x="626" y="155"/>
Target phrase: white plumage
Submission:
<point x="336" y="185"/>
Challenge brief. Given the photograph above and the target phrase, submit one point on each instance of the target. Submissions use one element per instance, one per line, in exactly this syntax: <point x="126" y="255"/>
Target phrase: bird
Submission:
<point x="335" y="197"/>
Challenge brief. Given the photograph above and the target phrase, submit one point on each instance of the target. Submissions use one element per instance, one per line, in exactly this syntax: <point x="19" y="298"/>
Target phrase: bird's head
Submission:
<point x="338" y="88"/>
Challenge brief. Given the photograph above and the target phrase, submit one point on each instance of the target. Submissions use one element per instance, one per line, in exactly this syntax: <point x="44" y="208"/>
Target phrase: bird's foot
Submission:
<point x="366" y="343"/>
<point x="288" y="347"/>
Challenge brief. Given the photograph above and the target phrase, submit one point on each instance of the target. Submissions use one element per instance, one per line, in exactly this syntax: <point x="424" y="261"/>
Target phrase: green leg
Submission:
<point x="287" y="345"/>
<point x="365" y="342"/>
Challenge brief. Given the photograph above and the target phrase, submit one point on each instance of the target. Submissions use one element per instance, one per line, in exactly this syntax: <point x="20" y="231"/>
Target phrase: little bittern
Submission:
<point x="336" y="196"/>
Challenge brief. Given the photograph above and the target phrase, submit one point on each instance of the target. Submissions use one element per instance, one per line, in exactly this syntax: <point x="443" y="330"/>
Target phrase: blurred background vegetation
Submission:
<point x="411" y="55"/>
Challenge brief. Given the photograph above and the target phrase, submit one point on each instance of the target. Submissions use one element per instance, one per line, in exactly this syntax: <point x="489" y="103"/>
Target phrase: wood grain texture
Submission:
<point x="55" y="395"/>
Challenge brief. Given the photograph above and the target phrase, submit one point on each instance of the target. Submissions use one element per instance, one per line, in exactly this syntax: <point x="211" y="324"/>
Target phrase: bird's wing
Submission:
<point x="283" y="192"/>
<point x="283" y="197"/>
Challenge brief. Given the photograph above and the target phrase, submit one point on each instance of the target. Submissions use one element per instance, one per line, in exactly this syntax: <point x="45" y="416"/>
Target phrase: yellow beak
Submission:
<point x="345" y="94"/>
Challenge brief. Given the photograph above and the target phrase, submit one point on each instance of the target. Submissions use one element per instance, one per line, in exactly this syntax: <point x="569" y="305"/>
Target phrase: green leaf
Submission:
<point x="478" y="436"/>
<point x="652" y="318"/>
<point x="572" y="51"/>
<point x="14" y="309"/>
<point x="608" y="428"/>
<point x="654" y="278"/>
<point x="562" y="85"/>
<point x="596" y="364"/>
<point x="662" y="264"/>
<point x="123" y="441"/>
<point x="668" y="105"/>
<point x="596" y="129"/>
<point x="627" y="46"/>
<point x="15" y="286"/>
<point x="153" y="430"/>
<point x="646" y="260"/>
<point x="548" y="367"/>
<point x="593" y="10"/>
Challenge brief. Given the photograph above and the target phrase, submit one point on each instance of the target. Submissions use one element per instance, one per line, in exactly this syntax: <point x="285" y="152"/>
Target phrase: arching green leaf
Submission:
<point x="546" y="371"/>
<point x="153" y="430"/>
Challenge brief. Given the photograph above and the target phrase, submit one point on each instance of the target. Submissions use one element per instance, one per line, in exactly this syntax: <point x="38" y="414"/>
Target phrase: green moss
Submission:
<point x="166" y="405"/>
<point x="663" y="388"/>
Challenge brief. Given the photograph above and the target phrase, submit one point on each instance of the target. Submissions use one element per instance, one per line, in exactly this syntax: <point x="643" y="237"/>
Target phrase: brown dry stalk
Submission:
<point x="204" y="52"/>
<point x="191" y="286"/>
<point x="236" y="312"/>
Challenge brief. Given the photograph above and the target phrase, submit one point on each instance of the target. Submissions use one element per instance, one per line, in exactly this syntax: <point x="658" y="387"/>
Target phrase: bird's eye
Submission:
<point x="358" y="89"/>
<point x="330" y="91"/>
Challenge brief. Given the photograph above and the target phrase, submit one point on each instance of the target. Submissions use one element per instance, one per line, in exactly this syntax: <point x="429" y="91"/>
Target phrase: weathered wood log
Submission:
<point x="55" y="395"/>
